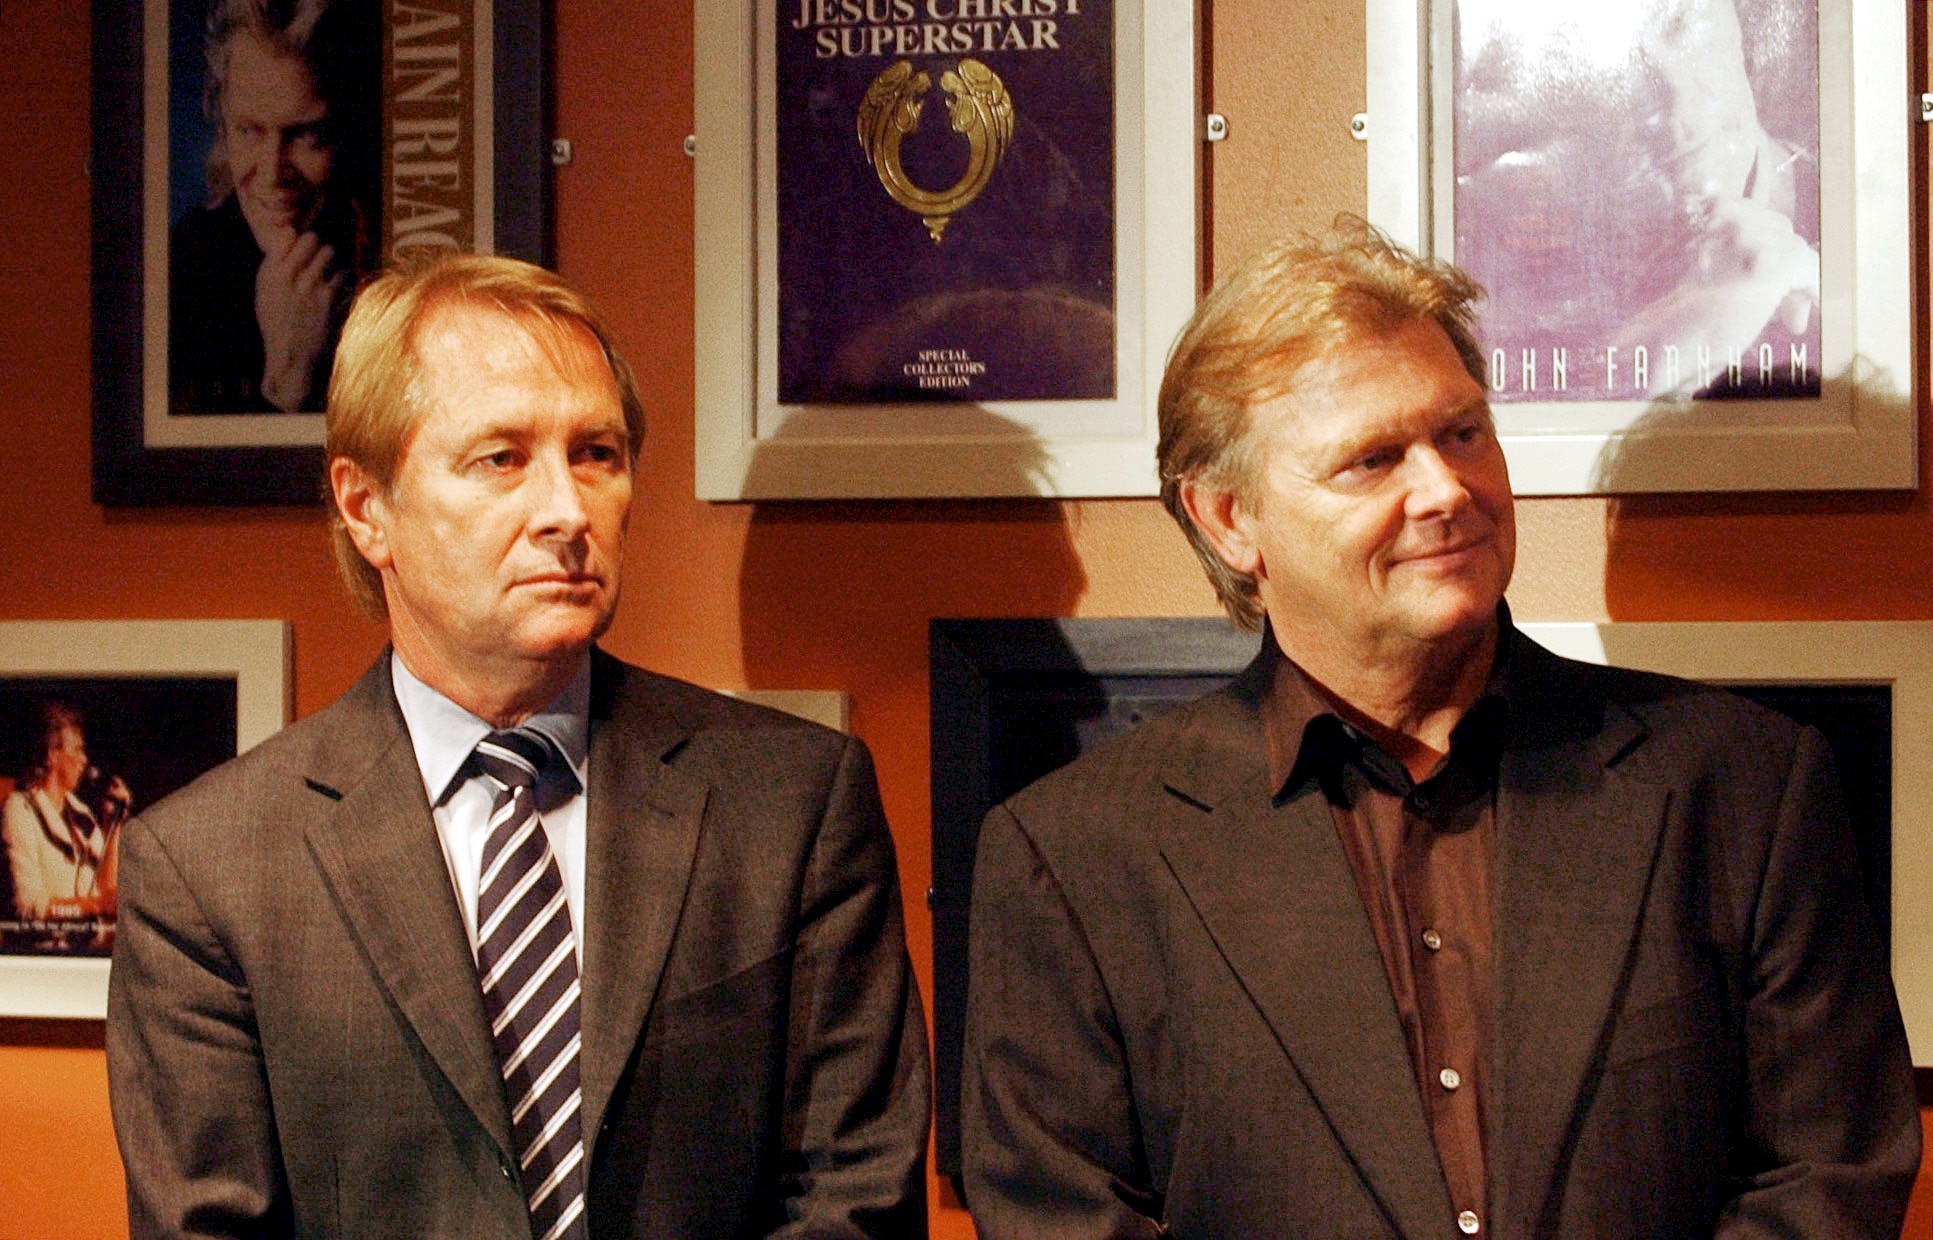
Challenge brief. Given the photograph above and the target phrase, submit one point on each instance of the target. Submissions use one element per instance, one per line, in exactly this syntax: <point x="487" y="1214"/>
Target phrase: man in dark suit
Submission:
<point x="1416" y="929"/>
<point x="513" y="939"/>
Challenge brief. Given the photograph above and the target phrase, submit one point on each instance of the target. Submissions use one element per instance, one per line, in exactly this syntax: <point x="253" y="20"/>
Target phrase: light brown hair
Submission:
<point x="376" y="399"/>
<point x="1276" y="311"/>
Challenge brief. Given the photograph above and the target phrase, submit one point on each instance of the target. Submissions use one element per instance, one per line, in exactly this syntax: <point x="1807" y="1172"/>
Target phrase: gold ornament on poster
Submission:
<point x="979" y="107"/>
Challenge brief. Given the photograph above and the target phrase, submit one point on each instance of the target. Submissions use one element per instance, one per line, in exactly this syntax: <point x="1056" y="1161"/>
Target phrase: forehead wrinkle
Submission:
<point x="1300" y="407"/>
<point x="514" y="335"/>
<point x="1408" y="426"/>
<point x="511" y="338"/>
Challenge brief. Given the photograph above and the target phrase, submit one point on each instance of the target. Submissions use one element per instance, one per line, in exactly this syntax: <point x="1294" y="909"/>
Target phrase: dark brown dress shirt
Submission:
<point x="1422" y="853"/>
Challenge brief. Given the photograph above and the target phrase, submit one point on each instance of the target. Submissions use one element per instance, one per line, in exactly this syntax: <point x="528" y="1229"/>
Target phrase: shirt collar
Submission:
<point x="1303" y="736"/>
<point x="444" y="734"/>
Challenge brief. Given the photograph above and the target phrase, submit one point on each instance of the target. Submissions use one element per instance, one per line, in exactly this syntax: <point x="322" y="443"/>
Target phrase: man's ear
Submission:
<point x="365" y="513"/>
<point x="1227" y="523"/>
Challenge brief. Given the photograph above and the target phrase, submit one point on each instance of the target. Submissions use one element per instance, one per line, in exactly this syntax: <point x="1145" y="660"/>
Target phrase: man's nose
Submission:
<point x="1436" y="485"/>
<point x="557" y="508"/>
<point x="285" y="169"/>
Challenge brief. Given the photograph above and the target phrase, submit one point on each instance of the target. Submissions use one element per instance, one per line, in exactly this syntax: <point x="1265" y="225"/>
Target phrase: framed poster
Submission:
<point x="98" y="720"/>
<point x="1691" y="220"/>
<point x="1015" y="699"/>
<point x="253" y="160"/>
<point x="943" y="246"/>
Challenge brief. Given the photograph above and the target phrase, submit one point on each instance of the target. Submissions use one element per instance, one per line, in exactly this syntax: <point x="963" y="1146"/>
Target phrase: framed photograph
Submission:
<point x="1690" y="217"/>
<point x="1015" y="699"/>
<point x="99" y="719"/>
<point x="252" y="163"/>
<point x="943" y="247"/>
<point x="1011" y="701"/>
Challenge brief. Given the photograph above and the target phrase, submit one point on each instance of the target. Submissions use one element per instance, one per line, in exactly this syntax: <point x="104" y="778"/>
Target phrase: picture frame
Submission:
<point x="148" y="136"/>
<point x="829" y="708"/>
<point x="1894" y="655"/>
<point x="1012" y="699"/>
<point x="753" y="446"/>
<point x="131" y="680"/>
<point x="1851" y="423"/>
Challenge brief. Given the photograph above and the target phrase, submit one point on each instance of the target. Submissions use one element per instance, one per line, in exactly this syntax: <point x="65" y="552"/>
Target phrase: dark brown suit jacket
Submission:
<point x="1179" y="1019"/>
<point x="297" y="1046"/>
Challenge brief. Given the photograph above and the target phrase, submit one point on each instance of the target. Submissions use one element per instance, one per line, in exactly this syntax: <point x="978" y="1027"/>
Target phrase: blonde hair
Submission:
<point x="1279" y="309"/>
<point x="376" y="400"/>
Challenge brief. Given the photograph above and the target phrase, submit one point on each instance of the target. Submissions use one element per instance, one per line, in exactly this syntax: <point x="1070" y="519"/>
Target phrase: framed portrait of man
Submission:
<point x="1690" y="217"/>
<point x="254" y="162"/>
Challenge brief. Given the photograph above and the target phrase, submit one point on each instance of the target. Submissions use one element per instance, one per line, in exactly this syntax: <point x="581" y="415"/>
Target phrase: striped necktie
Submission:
<point x="527" y="965"/>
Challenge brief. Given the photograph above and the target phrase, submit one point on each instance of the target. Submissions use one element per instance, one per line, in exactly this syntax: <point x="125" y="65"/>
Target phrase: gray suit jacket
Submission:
<point x="296" y="1042"/>
<point x="1179" y="1017"/>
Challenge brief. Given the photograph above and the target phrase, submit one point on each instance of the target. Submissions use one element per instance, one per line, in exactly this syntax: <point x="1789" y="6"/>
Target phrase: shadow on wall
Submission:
<point x="1757" y="555"/>
<point x="1723" y="555"/>
<point x="836" y="594"/>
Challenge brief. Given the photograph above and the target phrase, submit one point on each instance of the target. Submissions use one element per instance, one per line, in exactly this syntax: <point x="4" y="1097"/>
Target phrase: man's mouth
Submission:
<point x="567" y="580"/>
<point x="1448" y="552"/>
<point x="282" y="208"/>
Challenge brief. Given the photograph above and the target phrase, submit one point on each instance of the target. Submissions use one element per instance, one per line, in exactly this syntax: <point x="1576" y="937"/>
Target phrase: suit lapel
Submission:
<point x="1276" y="893"/>
<point x="644" y="823"/>
<point x="1576" y="842"/>
<point x="377" y="848"/>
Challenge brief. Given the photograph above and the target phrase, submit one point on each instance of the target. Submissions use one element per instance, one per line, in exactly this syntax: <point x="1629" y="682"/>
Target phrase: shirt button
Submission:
<point x="1432" y="940"/>
<point x="1451" y="1078"/>
<point x="1468" y="1223"/>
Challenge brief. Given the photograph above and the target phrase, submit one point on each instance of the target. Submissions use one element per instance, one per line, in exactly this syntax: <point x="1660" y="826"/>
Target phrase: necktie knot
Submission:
<point x="515" y="758"/>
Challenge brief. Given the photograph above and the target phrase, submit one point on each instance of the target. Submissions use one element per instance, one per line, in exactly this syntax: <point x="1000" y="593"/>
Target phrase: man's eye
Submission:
<point x="1467" y="435"/>
<point x="600" y="454"/>
<point x="498" y="461"/>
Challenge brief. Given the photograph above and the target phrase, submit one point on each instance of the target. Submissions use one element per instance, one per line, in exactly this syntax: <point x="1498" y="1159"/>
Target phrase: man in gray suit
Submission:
<point x="1416" y="930"/>
<point x="513" y="940"/>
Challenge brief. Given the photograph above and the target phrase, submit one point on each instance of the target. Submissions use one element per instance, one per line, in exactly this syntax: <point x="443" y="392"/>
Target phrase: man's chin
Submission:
<point x="563" y="630"/>
<point x="1468" y="612"/>
<point x="273" y="227"/>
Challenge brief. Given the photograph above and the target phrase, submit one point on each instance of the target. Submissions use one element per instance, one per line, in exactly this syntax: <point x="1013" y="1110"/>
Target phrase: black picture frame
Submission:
<point x="1015" y="699"/>
<point x="156" y="733"/>
<point x="1011" y="701"/>
<point x="126" y="471"/>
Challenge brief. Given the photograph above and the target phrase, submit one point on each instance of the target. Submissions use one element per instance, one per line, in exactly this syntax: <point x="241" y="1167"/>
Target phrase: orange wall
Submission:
<point x="783" y="596"/>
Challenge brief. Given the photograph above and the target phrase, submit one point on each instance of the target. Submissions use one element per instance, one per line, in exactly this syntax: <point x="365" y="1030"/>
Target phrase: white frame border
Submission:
<point x="829" y="708"/>
<point x="254" y="652"/>
<point x="1861" y="434"/>
<point x="1155" y="284"/>
<point x="1896" y="653"/>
